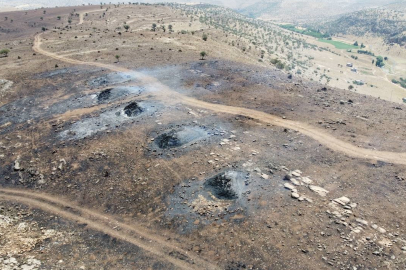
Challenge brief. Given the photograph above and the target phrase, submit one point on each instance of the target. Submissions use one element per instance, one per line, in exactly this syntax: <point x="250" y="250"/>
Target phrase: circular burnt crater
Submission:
<point x="226" y="185"/>
<point x="133" y="109"/>
<point x="179" y="137"/>
<point x="104" y="95"/>
<point x="168" y="140"/>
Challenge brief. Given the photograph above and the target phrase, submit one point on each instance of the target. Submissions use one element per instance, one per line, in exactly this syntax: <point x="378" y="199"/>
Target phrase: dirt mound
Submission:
<point x="186" y="135"/>
<point x="132" y="109"/>
<point x="168" y="140"/>
<point x="224" y="186"/>
<point x="104" y="95"/>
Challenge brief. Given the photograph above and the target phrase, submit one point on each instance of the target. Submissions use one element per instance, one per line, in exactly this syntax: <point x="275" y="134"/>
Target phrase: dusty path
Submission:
<point x="81" y="15"/>
<point x="133" y="233"/>
<point x="165" y="93"/>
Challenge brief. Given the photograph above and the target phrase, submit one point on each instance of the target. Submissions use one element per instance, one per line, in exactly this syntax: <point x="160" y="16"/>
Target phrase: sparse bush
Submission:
<point x="280" y="65"/>
<point x="274" y="61"/>
<point x="204" y="37"/>
<point x="365" y="52"/>
<point x="4" y="52"/>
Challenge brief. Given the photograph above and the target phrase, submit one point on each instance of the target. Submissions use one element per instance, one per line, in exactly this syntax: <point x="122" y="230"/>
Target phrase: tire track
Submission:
<point x="134" y="233"/>
<point x="168" y="95"/>
<point x="81" y="15"/>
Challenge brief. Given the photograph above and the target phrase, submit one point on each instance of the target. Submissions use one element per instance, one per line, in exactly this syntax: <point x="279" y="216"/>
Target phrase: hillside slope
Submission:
<point x="302" y="11"/>
<point x="389" y="24"/>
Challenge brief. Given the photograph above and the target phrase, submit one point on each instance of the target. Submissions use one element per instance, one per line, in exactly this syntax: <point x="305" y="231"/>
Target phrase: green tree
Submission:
<point x="170" y="27"/>
<point x="379" y="61"/>
<point x="126" y="27"/>
<point x="118" y="57"/>
<point x="59" y="18"/>
<point x="356" y="43"/>
<point x="204" y="37"/>
<point x="203" y="54"/>
<point x="153" y="27"/>
<point x="4" y="52"/>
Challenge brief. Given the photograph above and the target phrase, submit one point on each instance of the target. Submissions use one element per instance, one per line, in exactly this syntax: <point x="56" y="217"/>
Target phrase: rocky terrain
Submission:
<point x="124" y="148"/>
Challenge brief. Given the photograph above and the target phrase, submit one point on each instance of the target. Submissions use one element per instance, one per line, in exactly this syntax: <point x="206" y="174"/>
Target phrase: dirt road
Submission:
<point x="167" y="94"/>
<point x="81" y="15"/>
<point x="132" y="233"/>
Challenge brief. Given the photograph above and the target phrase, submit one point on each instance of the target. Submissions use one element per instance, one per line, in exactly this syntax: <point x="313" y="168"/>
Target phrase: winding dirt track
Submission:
<point x="165" y="93"/>
<point x="82" y="14"/>
<point x="133" y="233"/>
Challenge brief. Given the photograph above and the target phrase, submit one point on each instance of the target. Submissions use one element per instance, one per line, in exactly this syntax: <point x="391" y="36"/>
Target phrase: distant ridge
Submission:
<point x="308" y="10"/>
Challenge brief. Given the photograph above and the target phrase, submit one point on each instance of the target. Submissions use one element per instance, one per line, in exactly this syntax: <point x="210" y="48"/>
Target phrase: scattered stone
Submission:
<point x="17" y="165"/>
<point x="343" y="200"/>
<point x="295" y="195"/>
<point x="62" y="164"/>
<point x="353" y="205"/>
<point x="295" y="182"/>
<point x="319" y="190"/>
<point x="356" y="230"/>
<point x="306" y="180"/>
<point x="361" y="221"/>
<point x="41" y="179"/>
<point x="297" y="173"/>
<point x="309" y="200"/>
<point x="290" y="187"/>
